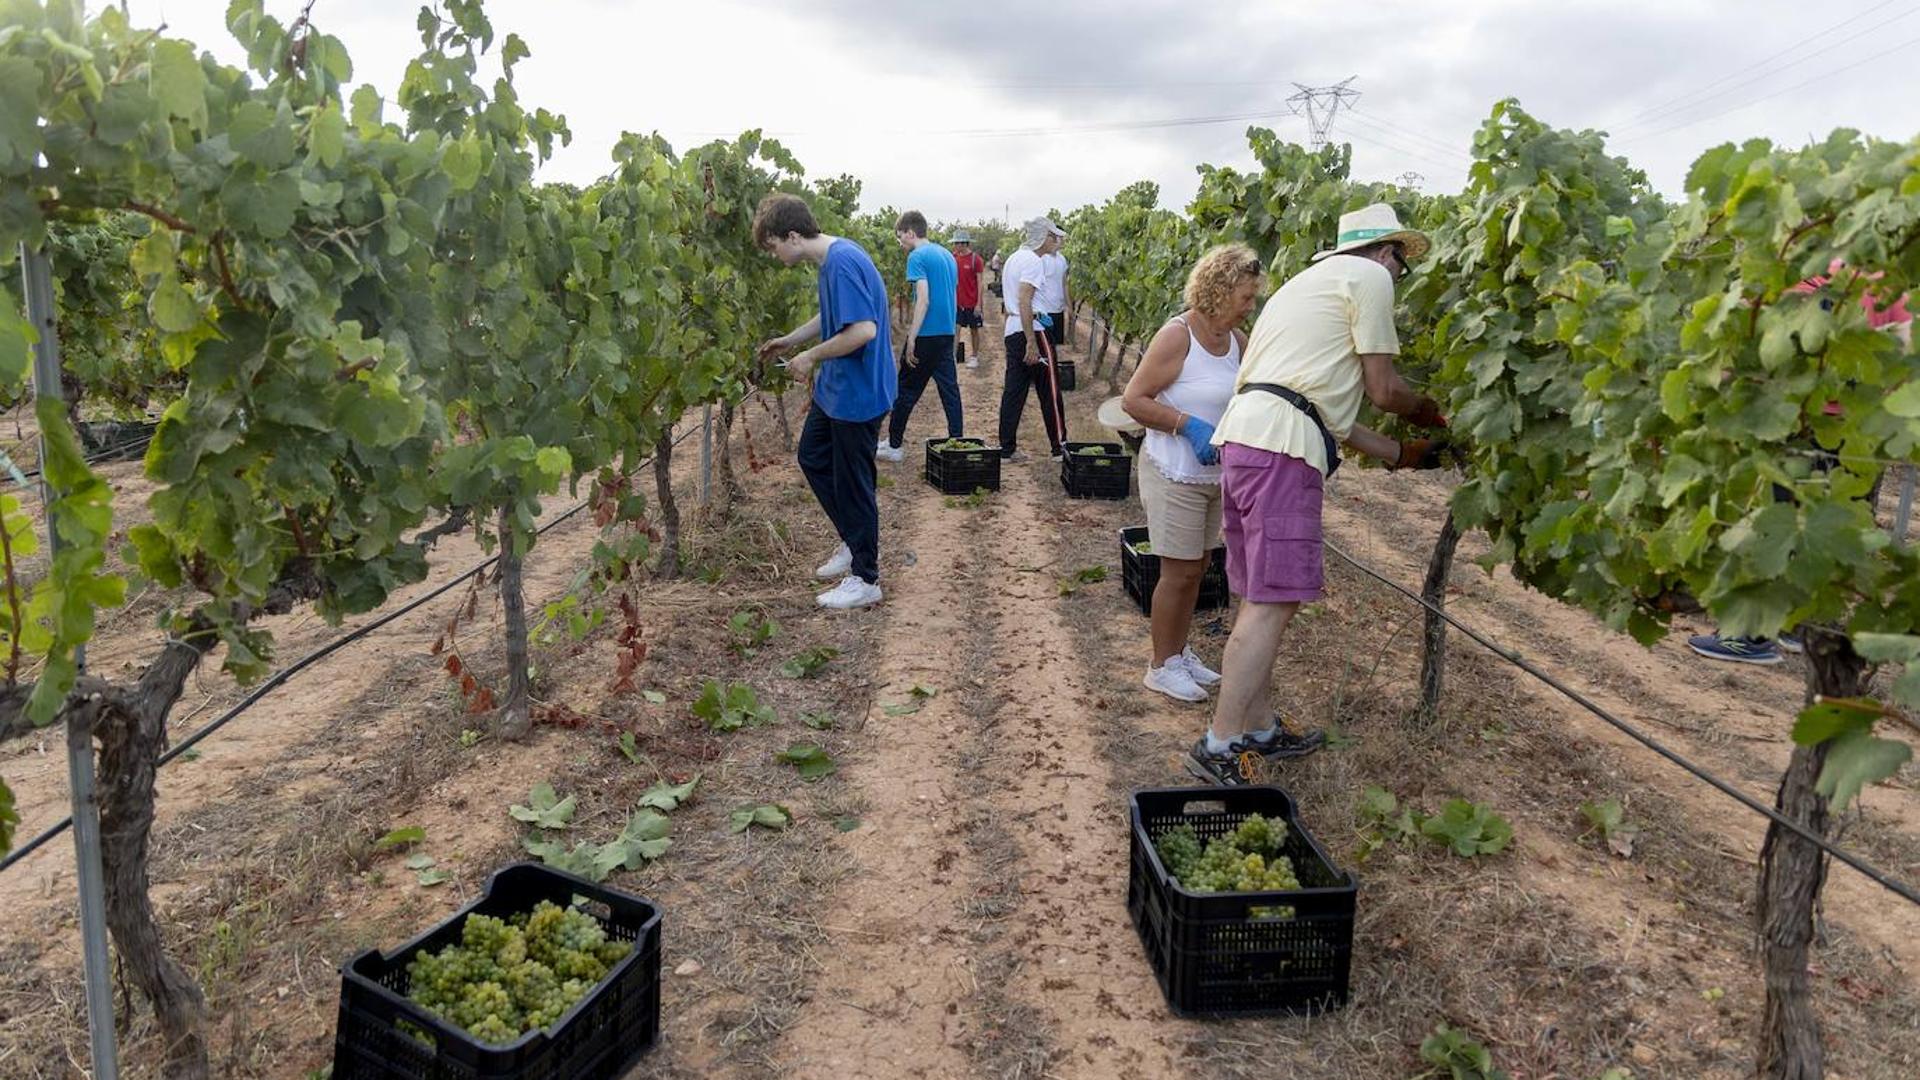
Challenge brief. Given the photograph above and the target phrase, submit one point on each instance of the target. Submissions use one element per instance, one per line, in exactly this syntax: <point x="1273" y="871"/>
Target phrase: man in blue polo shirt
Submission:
<point x="932" y="277"/>
<point x="854" y="388"/>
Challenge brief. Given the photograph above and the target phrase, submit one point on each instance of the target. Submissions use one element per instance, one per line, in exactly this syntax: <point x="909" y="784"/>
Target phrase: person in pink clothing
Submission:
<point x="1895" y="319"/>
<point x="1324" y="344"/>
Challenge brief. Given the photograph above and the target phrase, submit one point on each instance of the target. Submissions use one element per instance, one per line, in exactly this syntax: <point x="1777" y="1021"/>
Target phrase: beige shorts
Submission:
<point x="1183" y="520"/>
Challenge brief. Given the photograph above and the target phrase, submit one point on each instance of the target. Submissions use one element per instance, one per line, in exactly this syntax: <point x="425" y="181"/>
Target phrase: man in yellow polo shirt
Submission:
<point x="1323" y="341"/>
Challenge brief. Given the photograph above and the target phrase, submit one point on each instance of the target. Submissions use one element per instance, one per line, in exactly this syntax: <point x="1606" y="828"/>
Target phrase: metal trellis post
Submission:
<point x="37" y="274"/>
<point x="706" y="455"/>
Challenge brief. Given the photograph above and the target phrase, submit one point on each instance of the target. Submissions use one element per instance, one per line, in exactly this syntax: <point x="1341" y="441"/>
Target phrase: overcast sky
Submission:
<point x="967" y="110"/>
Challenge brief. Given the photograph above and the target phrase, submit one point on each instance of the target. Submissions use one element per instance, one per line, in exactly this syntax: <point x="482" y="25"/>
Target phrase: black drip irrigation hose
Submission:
<point x="279" y="678"/>
<point x="123" y="452"/>
<point x="1873" y="873"/>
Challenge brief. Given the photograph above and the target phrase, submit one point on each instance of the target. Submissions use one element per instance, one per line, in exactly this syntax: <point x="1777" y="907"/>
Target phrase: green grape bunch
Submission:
<point x="508" y="977"/>
<point x="1249" y="859"/>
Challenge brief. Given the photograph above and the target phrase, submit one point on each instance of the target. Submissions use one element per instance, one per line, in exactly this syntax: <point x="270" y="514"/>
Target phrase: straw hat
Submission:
<point x="1113" y="415"/>
<point x="1376" y="224"/>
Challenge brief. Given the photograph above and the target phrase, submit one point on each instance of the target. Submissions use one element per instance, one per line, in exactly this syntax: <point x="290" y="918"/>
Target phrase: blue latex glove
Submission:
<point x="1199" y="435"/>
<point x="1042" y="320"/>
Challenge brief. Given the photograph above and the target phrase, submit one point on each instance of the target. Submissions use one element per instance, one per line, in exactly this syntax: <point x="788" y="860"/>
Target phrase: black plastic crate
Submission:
<point x="960" y="472"/>
<point x="1095" y="476"/>
<point x="1063" y="370"/>
<point x="1140" y="574"/>
<point x="1211" y="955"/>
<point x="384" y="1036"/>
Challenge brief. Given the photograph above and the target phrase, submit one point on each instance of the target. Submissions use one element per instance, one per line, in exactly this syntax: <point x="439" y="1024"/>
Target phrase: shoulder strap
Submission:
<point x="1300" y="401"/>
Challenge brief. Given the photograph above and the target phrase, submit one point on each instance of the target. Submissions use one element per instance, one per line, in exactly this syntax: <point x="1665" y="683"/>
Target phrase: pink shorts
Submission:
<point x="1271" y="520"/>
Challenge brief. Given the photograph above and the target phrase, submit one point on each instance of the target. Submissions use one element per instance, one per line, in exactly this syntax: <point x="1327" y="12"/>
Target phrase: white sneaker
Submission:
<point x="841" y="562"/>
<point x="1171" y="679"/>
<point x="971" y="362"/>
<point x="1199" y="672"/>
<point x="889" y="453"/>
<point x="852" y="592"/>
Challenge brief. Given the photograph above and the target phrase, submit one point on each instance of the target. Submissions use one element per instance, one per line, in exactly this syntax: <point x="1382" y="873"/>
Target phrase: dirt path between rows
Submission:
<point x="986" y="932"/>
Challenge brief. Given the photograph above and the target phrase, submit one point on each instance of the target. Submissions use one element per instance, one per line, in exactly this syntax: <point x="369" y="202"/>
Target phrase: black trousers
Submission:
<point x="933" y="359"/>
<point x="836" y="457"/>
<point x="1013" y="397"/>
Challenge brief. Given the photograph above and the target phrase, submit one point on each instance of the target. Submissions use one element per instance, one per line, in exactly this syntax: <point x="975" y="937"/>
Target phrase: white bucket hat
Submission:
<point x="1376" y="224"/>
<point x="1112" y="414"/>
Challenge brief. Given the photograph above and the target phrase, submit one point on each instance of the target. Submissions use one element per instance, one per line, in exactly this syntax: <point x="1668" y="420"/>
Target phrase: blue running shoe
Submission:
<point x="1790" y="643"/>
<point x="1739" y="650"/>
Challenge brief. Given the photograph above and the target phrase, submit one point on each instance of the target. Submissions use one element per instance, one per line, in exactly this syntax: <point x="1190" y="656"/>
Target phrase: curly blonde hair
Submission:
<point x="1220" y="271"/>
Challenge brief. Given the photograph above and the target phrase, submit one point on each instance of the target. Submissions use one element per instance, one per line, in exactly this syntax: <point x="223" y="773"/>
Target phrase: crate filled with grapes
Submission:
<point x="547" y="975"/>
<point x="1240" y="909"/>
<point x="1140" y="573"/>
<point x="1095" y="470"/>
<point x="962" y="466"/>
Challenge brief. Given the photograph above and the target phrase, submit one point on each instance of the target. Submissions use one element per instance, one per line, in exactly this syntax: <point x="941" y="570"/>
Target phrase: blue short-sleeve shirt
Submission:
<point x="860" y="385"/>
<point x="934" y="264"/>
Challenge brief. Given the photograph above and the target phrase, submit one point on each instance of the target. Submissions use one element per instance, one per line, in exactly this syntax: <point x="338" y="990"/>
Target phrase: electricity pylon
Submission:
<point x="1320" y="104"/>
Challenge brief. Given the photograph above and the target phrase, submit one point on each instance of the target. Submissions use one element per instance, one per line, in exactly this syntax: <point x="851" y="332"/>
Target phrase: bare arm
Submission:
<point x="851" y="339"/>
<point x="1165" y="356"/>
<point x="1026" y="318"/>
<point x="1385" y="388"/>
<point x="920" y="304"/>
<point x="1373" y="444"/>
<point x="806" y="331"/>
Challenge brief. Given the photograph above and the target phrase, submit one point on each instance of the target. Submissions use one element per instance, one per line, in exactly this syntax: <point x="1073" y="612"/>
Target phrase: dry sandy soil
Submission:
<point x="951" y="902"/>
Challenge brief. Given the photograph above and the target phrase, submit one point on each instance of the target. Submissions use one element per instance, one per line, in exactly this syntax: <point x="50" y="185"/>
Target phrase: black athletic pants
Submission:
<point x="1013" y="397"/>
<point x="836" y="457"/>
<point x="933" y="359"/>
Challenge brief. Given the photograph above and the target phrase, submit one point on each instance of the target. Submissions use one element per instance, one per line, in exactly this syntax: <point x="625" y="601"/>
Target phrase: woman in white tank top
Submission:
<point x="1178" y="394"/>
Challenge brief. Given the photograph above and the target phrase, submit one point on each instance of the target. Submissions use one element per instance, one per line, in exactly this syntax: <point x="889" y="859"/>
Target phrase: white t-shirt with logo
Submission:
<point x="1023" y="267"/>
<point x="1309" y="338"/>
<point x="1052" y="296"/>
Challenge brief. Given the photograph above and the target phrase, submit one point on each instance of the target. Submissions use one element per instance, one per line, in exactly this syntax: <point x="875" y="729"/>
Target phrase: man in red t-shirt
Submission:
<point x="973" y="272"/>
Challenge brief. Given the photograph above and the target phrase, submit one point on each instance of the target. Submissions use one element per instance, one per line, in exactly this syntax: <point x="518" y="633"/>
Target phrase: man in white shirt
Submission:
<point x="1323" y="342"/>
<point x="1054" y="299"/>
<point x="1023" y="278"/>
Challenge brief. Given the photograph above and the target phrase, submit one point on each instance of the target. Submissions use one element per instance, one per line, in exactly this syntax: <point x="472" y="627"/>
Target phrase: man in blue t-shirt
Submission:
<point x="854" y="388"/>
<point x="933" y="277"/>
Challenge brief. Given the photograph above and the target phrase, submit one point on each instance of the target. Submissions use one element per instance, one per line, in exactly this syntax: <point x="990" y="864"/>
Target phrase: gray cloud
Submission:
<point x="876" y="89"/>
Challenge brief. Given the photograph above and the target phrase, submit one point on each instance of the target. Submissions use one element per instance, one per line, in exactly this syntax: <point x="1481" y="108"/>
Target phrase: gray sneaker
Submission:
<point x="1231" y="769"/>
<point x="1278" y="742"/>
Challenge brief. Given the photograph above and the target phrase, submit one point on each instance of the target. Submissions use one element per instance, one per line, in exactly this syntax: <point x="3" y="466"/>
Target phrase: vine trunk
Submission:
<point x="132" y="731"/>
<point x="1433" y="650"/>
<point x="516" y="717"/>
<point x="729" y="483"/>
<point x="668" y="565"/>
<point x="1792" y="873"/>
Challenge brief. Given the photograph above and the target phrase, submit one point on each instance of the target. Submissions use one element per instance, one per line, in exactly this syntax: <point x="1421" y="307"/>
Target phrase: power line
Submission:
<point x="1368" y="116"/>
<point x="1823" y="77"/>
<point x="1873" y="873"/>
<point x="1038" y="132"/>
<point x="1802" y="43"/>
<point x="1659" y="115"/>
<point x="1398" y="149"/>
